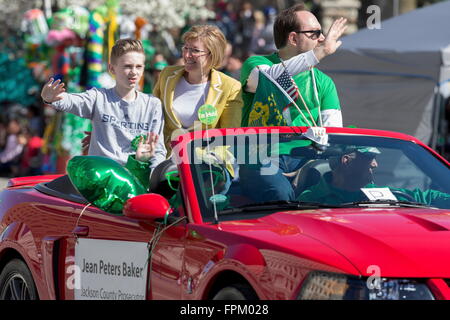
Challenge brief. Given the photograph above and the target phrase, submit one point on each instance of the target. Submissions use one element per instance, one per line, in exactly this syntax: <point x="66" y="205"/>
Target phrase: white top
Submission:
<point x="12" y="149"/>
<point x="187" y="99"/>
<point x="295" y="65"/>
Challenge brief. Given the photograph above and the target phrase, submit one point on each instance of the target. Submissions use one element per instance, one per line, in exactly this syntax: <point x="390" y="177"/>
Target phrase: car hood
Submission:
<point x="401" y="242"/>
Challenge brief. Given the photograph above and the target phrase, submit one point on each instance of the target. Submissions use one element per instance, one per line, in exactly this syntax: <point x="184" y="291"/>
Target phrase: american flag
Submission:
<point x="287" y="83"/>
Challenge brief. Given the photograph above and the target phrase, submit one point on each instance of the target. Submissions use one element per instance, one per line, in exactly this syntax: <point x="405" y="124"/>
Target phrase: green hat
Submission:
<point x="369" y="151"/>
<point x="336" y="154"/>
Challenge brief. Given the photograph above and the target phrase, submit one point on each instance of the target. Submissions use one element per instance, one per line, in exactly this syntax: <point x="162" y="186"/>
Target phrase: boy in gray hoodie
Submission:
<point x="118" y="114"/>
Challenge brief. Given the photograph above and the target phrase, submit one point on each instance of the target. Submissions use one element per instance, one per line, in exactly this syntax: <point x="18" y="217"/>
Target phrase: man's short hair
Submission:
<point x="285" y="23"/>
<point x="123" y="46"/>
<point x="212" y="38"/>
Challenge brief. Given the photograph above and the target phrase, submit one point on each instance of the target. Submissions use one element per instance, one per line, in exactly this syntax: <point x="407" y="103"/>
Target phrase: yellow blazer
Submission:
<point x="224" y="93"/>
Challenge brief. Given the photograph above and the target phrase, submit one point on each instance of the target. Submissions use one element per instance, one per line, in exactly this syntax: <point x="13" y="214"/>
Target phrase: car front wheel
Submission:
<point x="16" y="282"/>
<point x="236" y="292"/>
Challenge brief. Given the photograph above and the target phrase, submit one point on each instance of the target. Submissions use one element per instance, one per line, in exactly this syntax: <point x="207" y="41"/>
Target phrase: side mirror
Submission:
<point x="147" y="207"/>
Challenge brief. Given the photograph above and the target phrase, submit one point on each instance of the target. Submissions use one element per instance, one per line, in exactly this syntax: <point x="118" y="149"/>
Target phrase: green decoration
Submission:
<point x="80" y="20"/>
<point x="62" y="19"/>
<point x="207" y="114"/>
<point x="268" y="103"/>
<point x="149" y="51"/>
<point x="136" y="140"/>
<point x="160" y="65"/>
<point x="173" y="179"/>
<point x="221" y="201"/>
<point x="73" y="128"/>
<point x="103" y="182"/>
<point x="17" y="83"/>
<point x="112" y="4"/>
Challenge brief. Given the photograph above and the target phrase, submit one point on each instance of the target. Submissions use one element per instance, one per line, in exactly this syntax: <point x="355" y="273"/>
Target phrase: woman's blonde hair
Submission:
<point x="212" y="38"/>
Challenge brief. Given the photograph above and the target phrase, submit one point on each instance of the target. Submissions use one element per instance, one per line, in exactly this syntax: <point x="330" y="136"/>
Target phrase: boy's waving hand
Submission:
<point x="52" y="90"/>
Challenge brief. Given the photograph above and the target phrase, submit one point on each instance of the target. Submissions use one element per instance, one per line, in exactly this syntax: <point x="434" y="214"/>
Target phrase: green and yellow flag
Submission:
<point x="268" y="104"/>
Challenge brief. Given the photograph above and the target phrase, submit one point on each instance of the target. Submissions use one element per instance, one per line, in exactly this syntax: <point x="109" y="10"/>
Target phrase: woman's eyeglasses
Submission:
<point x="315" y="34"/>
<point x="194" y="51"/>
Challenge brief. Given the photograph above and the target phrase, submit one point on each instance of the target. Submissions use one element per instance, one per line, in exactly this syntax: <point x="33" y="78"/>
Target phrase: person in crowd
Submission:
<point x="3" y="134"/>
<point x="231" y="64"/>
<point x="10" y="156"/>
<point x="158" y="66"/>
<point x="262" y="39"/>
<point x="301" y="45"/>
<point x="246" y="23"/>
<point x="270" y="13"/>
<point x="31" y="161"/>
<point x="257" y="42"/>
<point x="225" y="19"/>
<point x="119" y="114"/>
<point x="352" y="170"/>
<point x="35" y="119"/>
<point x="234" y="66"/>
<point x="152" y="72"/>
<point x="184" y="89"/>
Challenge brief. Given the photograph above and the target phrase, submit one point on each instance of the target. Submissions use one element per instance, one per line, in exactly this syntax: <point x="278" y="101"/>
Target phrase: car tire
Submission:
<point x="16" y="282"/>
<point x="236" y="291"/>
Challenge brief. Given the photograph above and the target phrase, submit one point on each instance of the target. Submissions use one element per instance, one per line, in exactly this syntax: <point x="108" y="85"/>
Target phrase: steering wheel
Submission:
<point x="403" y="195"/>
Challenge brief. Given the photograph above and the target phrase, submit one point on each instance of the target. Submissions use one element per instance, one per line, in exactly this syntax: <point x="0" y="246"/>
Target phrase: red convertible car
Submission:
<point x="249" y="213"/>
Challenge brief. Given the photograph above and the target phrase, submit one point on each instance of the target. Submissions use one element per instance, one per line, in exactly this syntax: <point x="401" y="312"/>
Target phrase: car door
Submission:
<point x="106" y="257"/>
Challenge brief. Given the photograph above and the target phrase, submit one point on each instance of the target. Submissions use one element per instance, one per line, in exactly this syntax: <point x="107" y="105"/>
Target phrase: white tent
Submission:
<point x="395" y="78"/>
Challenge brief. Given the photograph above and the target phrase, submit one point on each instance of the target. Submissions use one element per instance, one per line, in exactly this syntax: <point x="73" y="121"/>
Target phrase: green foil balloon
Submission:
<point x="103" y="182"/>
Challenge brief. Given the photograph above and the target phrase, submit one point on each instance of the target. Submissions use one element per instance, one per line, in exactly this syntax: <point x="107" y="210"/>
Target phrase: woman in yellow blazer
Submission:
<point x="184" y="89"/>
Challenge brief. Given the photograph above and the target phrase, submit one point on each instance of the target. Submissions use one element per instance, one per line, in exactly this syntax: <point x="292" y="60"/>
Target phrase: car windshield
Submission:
<point x="244" y="174"/>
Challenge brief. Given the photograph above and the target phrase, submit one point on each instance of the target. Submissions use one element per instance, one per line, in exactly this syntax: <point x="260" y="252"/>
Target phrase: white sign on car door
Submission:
<point x="111" y="270"/>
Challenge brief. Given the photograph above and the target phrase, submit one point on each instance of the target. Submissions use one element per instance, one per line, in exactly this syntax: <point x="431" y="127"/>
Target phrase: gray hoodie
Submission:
<point x="116" y="122"/>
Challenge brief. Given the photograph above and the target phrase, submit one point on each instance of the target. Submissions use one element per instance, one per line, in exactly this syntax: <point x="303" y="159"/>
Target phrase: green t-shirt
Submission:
<point x="327" y="93"/>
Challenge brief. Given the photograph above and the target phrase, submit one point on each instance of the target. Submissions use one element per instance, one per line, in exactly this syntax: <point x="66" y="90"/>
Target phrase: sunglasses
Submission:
<point x="315" y="34"/>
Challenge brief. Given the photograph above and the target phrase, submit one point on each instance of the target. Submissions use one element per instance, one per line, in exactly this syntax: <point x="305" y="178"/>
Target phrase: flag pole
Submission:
<point x="288" y="97"/>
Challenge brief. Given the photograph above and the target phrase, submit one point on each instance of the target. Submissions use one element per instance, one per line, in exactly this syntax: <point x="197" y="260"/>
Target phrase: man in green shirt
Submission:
<point x="351" y="172"/>
<point x="301" y="43"/>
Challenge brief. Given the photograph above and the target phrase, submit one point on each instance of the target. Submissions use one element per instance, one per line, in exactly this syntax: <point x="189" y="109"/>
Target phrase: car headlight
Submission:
<point x="332" y="286"/>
